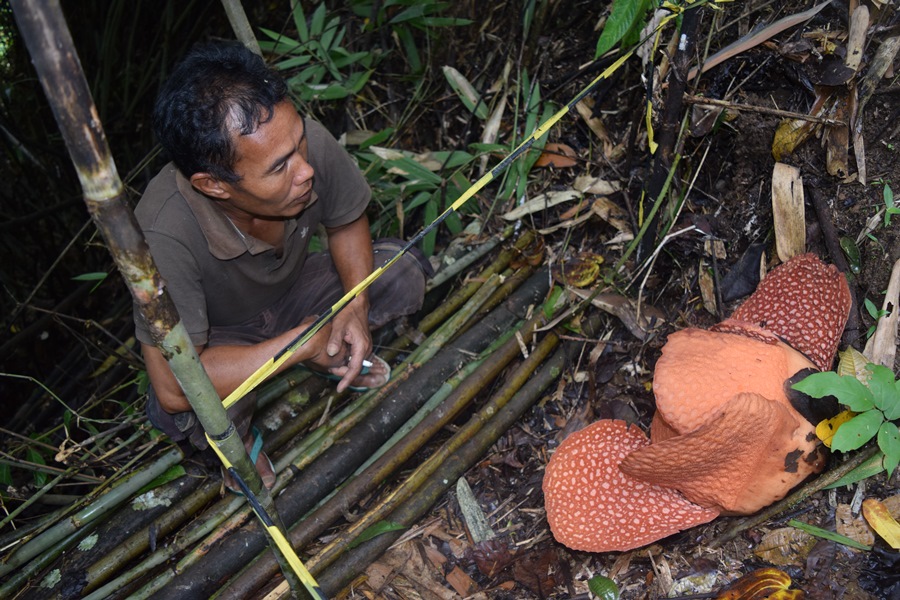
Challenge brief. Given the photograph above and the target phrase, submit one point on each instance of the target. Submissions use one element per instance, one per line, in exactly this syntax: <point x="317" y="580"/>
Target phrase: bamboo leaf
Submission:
<point x="827" y="535"/>
<point x="466" y="92"/>
<point x="375" y="530"/>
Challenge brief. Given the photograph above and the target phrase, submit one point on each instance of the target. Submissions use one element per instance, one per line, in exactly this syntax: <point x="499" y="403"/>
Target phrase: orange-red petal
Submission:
<point x="593" y="506"/>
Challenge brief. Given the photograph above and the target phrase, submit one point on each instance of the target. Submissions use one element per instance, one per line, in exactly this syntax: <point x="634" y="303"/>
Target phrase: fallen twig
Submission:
<point x="800" y="495"/>
<point x="691" y="99"/>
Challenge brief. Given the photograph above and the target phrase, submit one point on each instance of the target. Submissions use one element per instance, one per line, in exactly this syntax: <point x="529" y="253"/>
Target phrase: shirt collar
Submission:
<point x="224" y="239"/>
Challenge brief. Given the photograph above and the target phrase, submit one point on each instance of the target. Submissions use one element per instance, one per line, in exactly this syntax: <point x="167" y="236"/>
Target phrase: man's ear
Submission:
<point x="209" y="185"/>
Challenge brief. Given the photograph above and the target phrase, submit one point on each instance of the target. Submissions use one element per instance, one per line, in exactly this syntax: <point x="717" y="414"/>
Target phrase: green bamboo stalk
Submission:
<point x="13" y="586"/>
<point x="332" y="468"/>
<point x="241" y="26"/>
<point x="314" y="444"/>
<point x="96" y="509"/>
<point x="463" y="263"/>
<point x="495" y="421"/>
<point x="138" y="543"/>
<point x="50" y="44"/>
<point x="198" y="531"/>
<point x="453" y="302"/>
<point x="444" y="405"/>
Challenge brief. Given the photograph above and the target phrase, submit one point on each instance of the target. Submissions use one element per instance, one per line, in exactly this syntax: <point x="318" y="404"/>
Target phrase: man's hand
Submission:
<point x="350" y="334"/>
<point x="351" y="250"/>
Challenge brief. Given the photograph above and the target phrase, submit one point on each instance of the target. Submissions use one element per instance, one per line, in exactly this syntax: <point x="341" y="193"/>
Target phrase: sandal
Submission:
<point x="365" y="371"/>
<point x="255" y="451"/>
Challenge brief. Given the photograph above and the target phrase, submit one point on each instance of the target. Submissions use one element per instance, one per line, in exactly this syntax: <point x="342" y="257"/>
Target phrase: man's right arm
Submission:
<point x="229" y="366"/>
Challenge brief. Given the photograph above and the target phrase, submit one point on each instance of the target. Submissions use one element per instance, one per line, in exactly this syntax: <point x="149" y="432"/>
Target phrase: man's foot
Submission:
<point x="371" y="377"/>
<point x="253" y="443"/>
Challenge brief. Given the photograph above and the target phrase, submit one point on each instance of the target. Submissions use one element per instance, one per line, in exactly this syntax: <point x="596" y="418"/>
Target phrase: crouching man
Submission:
<point x="229" y="222"/>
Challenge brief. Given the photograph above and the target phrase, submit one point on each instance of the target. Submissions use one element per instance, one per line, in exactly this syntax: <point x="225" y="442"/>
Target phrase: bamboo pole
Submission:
<point x="464" y="435"/>
<point x="454" y="395"/>
<point x="241" y="26"/>
<point x="222" y="518"/>
<point x="53" y="53"/>
<point x="139" y="542"/>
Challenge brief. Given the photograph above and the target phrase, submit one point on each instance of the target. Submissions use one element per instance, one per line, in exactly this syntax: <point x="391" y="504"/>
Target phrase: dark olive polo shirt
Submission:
<point x="216" y="275"/>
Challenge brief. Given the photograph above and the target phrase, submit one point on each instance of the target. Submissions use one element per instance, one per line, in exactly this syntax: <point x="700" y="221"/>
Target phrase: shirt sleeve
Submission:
<point x="183" y="281"/>
<point x="339" y="183"/>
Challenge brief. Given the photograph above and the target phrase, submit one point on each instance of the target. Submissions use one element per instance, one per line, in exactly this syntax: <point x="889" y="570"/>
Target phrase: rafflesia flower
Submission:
<point x="725" y="439"/>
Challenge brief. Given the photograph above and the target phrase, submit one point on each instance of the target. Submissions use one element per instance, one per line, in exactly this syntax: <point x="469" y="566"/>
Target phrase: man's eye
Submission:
<point x="280" y="167"/>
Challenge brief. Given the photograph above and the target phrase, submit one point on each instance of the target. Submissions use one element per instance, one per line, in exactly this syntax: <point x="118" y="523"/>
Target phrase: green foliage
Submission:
<point x="603" y="588"/>
<point x="827" y="535"/>
<point x="624" y="24"/>
<point x="876" y="402"/>
<point x="889" y="207"/>
<point x="875" y="313"/>
<point x="375" y="530"/>
<point x="329" y="71"/>
<point x="33" y="456"/>
<point x="404" y="17"/>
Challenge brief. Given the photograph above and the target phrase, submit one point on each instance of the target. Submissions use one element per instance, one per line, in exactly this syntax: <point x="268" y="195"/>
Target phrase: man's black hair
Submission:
<point x="218" y="88"/>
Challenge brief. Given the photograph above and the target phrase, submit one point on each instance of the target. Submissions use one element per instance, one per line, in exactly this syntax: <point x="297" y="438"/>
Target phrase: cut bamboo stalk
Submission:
<point x="323" y="438"/>
<point x="386" y="461"/>
<point x="139" y="542"/>
<point x="461" y="264"/>
<point x="470" y="431"/>
<point x="451" y="304"/>
<point x="341" y="459"/>
<point x="100" y="507"/>
<point x="452" y="468"/>
<point x="13" y="586"/>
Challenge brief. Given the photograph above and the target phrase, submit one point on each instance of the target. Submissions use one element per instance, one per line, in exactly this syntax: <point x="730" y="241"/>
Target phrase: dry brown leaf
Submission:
<point x="708" y="290"/>
<point x="788" y="211"/>
<point x="880" y="519"/>
<point x="837" y="138"/>
<point x="852" y="527"/>
<point x="580" y="271"/>
<point x="893" y="505"/>
<point x="790" y="133"/>
<point x="541" y="202"/>
<point x="640" y="325"/>
<point x="785" y="546"/>
<point x="588" y="184"/>
<point x="881" y="348"/>
<point x="462" y="583"/>
<point x="557" y="155"/>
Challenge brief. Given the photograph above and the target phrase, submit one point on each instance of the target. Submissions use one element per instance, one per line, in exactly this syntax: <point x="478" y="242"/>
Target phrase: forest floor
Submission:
<point x="729" y="202"/>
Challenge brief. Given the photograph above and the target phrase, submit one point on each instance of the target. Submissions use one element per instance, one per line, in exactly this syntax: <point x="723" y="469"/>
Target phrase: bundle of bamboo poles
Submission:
<point x="182" y="539"/>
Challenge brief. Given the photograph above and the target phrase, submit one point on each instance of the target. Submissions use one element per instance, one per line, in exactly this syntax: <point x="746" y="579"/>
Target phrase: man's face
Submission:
<point x="272" y="162"/>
